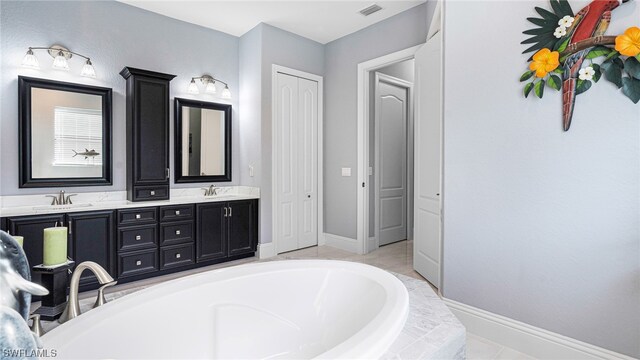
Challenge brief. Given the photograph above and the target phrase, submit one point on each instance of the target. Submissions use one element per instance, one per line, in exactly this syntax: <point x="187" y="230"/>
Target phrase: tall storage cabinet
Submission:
<point x="147" y="134"/>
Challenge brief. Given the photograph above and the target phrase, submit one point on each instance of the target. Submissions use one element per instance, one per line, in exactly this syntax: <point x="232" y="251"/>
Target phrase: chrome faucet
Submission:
<point x="73" y="307"/>
<point x="211" y="190"/>
<point x="60" y="199"/>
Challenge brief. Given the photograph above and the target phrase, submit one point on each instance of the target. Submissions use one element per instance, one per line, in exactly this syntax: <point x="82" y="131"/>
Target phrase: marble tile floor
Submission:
<point x="396" y="257"/>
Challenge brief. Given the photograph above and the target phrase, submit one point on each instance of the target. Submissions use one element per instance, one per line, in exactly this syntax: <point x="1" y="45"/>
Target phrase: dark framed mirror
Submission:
<point x="202" y="141"/>
<point x="64" y="134"/>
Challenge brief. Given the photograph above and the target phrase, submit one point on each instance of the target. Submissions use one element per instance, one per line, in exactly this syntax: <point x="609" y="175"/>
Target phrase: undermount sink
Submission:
<point x="62" y="207"/>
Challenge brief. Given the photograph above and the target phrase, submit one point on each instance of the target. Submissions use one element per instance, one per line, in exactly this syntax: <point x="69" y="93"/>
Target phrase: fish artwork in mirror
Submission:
<point x="65" y="134"/>
<point x="202" y="141"/>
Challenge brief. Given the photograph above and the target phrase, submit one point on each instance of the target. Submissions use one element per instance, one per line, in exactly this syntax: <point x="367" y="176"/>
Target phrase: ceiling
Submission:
<point x="322" y="21"/>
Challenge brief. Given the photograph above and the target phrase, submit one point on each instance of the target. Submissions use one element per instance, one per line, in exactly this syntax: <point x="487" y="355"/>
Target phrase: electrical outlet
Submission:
<point x="370" y="170"/>
<point x="251" y="170"/>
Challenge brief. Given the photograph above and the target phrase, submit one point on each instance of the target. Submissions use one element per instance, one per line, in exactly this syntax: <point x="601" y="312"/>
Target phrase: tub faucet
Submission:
<point x="73" y="307"/>
<point x="211" y="190"/>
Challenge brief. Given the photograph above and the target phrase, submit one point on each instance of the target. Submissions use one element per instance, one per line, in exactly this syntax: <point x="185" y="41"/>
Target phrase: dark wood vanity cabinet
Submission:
<point x="138" y="243"/>
<point x="212" y="231"/>
<point x="32" y="229"/>
<point x="227" y="229"/>
<point x="147" y="134"/>
<point x="90" y="238"/>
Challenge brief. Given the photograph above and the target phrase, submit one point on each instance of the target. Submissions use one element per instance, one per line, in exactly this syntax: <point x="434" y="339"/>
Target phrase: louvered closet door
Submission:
<point x="296" y="157"/>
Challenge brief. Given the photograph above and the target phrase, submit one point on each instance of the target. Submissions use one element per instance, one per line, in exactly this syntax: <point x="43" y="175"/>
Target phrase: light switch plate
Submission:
<point x="251" y="170"/>
<point x="370" y="170"/>
<point x="346" y="171"/>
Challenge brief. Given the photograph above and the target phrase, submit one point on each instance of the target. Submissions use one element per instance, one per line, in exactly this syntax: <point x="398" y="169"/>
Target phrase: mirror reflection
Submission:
<point x="203" y="141"/>
<point x="66" y="134"/>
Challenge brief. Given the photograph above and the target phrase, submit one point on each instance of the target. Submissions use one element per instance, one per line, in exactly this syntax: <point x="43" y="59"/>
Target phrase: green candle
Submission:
<point x="55" y="246"/>
<point x="19" y="239"/>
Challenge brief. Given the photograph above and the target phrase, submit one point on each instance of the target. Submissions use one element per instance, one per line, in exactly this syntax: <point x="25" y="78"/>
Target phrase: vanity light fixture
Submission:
<point x="60" y="55"/>
<point x="209" y="83"/>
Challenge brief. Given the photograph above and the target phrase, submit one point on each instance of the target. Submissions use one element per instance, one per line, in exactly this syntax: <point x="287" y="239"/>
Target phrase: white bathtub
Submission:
<point x="297" y="309"/>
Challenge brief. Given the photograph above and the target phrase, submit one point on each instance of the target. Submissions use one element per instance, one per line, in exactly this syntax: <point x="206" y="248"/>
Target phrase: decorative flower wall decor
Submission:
<point x="572" y="52"/>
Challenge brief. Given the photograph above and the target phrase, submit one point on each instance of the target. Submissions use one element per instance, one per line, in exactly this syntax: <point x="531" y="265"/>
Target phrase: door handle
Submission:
<point x="226" y="211"/>
<point x="70" y="226"/>
<point x="309" y="196"/>
<point x="230" y="211"/>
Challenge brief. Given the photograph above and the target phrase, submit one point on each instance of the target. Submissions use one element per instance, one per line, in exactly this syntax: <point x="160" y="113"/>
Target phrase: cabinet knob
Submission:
<point x="152" y="192"/>
<point x="177" y="232"/>
<point x="138" y="237"/>
<point x="138" y="262"/>
<point x="138" y="216"/>
<point x="177" y="212"/>
<point x="178" y="256"/>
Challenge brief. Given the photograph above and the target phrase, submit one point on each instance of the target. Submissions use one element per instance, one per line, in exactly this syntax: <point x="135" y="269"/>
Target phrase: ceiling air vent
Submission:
<point x="370" y="10"/>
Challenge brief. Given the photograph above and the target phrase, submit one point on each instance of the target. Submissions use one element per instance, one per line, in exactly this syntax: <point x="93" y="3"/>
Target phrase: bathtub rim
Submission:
<point x="358" y="345"/>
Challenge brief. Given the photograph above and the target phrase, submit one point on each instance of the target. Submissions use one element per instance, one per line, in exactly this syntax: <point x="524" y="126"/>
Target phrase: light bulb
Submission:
<point x="211" y="87"/>
<point x="60" y="62"/>
<point x="193" y="87"/>
<point x="88" y="70"/>
<point x="30" y="60"/>
<point x="226" y="93"/>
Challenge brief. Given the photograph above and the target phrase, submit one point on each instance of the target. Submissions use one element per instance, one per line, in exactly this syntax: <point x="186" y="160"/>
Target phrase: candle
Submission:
<point x="19" y="239"/>
<point x="54" y="246"/>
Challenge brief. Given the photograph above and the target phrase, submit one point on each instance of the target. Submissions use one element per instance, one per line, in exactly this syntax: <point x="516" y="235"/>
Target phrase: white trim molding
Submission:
<point x="363" y="139"/>
<point x="528" y="339"/>
<point x="342" y="243"/>
<point x="266" y="250"/>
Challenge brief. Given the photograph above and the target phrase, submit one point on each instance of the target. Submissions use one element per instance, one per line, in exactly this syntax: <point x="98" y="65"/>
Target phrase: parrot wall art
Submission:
<point x="573" y="51"/>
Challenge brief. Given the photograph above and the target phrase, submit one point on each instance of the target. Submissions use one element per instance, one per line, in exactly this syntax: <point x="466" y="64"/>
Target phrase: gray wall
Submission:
<point x="114" y="35"/>
<point x="540" y="225"/>
<point x="342" y="57"/>
<point x="270" y="45"/>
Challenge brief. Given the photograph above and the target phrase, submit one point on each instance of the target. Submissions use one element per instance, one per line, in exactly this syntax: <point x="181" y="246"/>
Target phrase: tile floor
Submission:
<point x="397" y="257"/>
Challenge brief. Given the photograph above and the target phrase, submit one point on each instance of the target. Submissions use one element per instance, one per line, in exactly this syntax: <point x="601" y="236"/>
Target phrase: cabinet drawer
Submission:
<point x="139" y="237"/>
<point x="137" y="216"/>
<point x="177" y="255"/>
<point x="138" y="262"/>
<point x="176" y="233"/>
<point x="142" y="193"/>
<point x="178" y="212"/>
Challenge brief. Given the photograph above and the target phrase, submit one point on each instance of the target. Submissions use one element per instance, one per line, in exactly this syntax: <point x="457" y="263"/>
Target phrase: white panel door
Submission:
<point x="287" y="162"/>
<point x="308" y="162"/>
<point x="391" y="150"/>
<point x="427" y="166"/>
<point x="296" y="156"/>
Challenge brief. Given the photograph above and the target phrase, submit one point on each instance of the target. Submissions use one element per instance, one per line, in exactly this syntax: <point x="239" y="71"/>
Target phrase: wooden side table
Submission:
<point x="56" y="280"/>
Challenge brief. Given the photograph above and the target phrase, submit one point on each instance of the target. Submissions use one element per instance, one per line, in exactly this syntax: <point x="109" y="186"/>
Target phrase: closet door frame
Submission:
<point x="276" y="216"/>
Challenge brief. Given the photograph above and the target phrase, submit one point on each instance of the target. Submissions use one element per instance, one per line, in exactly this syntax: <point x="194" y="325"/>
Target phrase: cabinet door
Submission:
<point x="211" y="231"/>
<point x="151" y="131"/>
<point x="32" y="228"/>
<point x="242" y="227"/>
<point x="91" y="238"/>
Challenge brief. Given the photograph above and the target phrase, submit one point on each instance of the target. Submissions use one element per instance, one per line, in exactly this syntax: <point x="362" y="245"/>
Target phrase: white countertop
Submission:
<point x="19" y="205"/>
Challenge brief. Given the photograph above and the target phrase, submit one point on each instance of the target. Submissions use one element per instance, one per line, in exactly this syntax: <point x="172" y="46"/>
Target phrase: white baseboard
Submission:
<point x="528" y="339"/>
<point x="266" y="250"/>
<point x="341" y="242"/>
